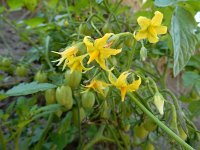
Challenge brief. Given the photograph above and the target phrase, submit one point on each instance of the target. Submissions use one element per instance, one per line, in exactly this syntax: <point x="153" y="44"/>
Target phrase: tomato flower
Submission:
<point x="66" y="55"/>
<point x="98" y="86"/>
<point x="151" y="28"/>
<point x="122" y="84"/>
<point x="76" y="63"/>
<point x="99" y="51"/>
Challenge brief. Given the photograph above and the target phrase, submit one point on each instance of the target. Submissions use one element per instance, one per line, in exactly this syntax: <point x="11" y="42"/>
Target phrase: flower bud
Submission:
<point x="88" y="100"/>
<point x="85" y="29"/>
<point x="129" y="41"/>
<point x="66" y="23"/>
<point x="105" y="113"/>
<point x="73" y="79"/>
<point x="149" y="125"/>
<point x="6" y="62"/>
<point x="182" y="133"/>
<point x="159" y="102"/>
<point x="64" y="96"/>
<point x="149" y="146"/>
<point x="140" y="132"/>
<point x="41" y="77"/>
<point x="21" y="71"/>
<point x="50" y="96"/>
<point x="143" y="53"/>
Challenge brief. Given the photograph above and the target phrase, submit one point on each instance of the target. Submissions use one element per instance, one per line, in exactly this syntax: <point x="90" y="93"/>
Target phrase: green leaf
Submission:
<point x="34" y="22"/>
<point x="190" y="78"/>
<point x="15" y="4"/>
<point x="99" y="1"/>
<point x="194" y="108"/>
<point x="65" y="124"/>
<point x="164" y="3"/>
<point x="183" y="27"/>
<point x="29" y="88"/>
<point x="30" y="5"/>
<point x="2" y="9"/>
<point x="3" y="96"/>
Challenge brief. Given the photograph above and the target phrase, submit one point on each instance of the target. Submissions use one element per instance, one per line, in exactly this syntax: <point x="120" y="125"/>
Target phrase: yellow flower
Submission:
<point x="98" y="86"/>
<point x="122" y="84"/>
<point x="66" y="55"/>
<point x="151" y="28"/>
<point x="76" y="63"/>
<point x="99" y="51"/>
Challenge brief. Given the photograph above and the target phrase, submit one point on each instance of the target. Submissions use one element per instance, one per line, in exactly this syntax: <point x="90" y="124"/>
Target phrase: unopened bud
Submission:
<point x="159" y="102"/>
<point x="143" y="53"/>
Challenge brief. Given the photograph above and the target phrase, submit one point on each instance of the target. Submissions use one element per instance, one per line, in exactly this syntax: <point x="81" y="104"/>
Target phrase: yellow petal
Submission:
<point x="157" y="19"/>
<point x="102" y="63"/>
<point x="98" y="86"/>
<point x="161" y="29"/>
<point x="121" y="81"/>
<point x="101" y="42"/>
<point x="141" y="35"/>
<point x="134" y="85"/>
<point x="123" y="93"/>
<point x="88" y="43"/>
<point x="107" y="52"/>
<point x="93" y="56"/>
<point x="152" y="38"/>
<point x="76" y="63"/>
<point x="143" y="22"/>
<point x="111" y="77"/>
<point x="152" y="31"/>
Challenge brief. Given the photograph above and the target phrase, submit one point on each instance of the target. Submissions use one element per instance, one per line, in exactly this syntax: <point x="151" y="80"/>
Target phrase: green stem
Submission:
<point x="79" y="123"/>
<point x="95" y="28"/>
<point x="178" y="109"/>
<point x="47" y="52"/>
<point x="45" y="132"/>
<point x="2" y="141"/>
<point x="160" y="124"/>
<point x="115" y="137"/>
<point x="98" y="137"/>
<point x="154" y="84"/>
<point x="147" y="71"/>
<point x="17" y="138"/>
<point x="163" y="78"/>
<point x="131" y="56"/>
<point x="111" y="12"/>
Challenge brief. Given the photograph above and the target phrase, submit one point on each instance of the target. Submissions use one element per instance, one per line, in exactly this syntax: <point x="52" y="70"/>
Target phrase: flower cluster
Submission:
<point x="100" y="50"/>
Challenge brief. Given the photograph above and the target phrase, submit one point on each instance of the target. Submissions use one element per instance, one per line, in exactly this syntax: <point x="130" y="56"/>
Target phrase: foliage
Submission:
<point x="110" y="88"/>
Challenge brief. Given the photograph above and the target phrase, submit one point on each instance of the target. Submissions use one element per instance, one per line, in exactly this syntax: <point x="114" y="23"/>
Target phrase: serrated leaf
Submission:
<point x="29" y="88"/>
<point x="183" y="27"/>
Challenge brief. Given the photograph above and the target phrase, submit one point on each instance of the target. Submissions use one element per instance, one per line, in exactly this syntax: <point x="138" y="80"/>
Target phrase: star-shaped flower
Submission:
<point x="151" y="28"/>
<point x="98" y="86"/>
<point x="122" y="84"/>
<point x="99" y="50"/>
<point x="67" y="54"/>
